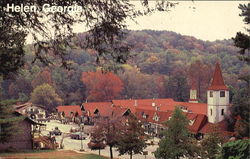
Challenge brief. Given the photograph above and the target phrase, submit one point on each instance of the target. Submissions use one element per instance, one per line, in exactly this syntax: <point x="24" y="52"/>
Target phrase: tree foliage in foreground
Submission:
<point x="107" y="129"/>
<point x="132" y="138"/>
<point x="242" y="40"/>
<point x="238" y="149"/>
<point x="176" y="142"/>
<point x="106" y="21"/>
<point x="8" y="121"/>
<point x="211" y="144"/>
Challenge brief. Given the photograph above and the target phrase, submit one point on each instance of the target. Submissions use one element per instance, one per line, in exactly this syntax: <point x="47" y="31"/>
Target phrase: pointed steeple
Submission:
<point x="217" y="81"/>
<point x="193" y="93"/>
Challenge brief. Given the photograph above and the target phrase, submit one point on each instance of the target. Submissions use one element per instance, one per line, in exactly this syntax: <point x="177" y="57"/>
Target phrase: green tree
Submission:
<point x="132" y="138"/>
<point x="45" y="95"/>
<point x="211" y="144"/>
<point x="176" y="141"/>
<point x="177" y="87"/>
<point x="242" y="40"/>
<point x="8" y="120"/>
<point x="241" y="108"/>
<point x="238" y="149"/>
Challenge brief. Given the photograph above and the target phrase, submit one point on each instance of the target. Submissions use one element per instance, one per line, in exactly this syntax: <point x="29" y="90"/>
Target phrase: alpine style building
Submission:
<point x="153" y="112"/>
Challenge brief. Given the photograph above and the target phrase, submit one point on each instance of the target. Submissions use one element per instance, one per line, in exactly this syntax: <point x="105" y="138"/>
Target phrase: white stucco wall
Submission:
<point x="216" y="104"/>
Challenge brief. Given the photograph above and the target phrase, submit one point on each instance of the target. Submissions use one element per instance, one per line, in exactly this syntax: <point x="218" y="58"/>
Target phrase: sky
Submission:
<point x="205" y="20"/>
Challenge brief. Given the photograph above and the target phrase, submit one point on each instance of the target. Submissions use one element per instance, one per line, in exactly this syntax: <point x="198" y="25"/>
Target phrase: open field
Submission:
<point x="65" y="154"/>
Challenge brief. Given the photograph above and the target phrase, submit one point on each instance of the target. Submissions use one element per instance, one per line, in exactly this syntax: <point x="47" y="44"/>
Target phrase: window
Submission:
<point x="222" y="93"/>
<point x="222" y="111"/>
<point x="211" y="112"/>
<point x="211" y="93"/>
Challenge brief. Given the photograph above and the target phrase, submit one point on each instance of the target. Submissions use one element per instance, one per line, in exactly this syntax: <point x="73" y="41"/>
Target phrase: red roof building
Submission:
<point x="158" y="111"/>
<point x="70" y="110"/>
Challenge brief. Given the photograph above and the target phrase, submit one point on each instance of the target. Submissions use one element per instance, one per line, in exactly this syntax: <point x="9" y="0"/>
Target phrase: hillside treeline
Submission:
<point x="162" y="64"/>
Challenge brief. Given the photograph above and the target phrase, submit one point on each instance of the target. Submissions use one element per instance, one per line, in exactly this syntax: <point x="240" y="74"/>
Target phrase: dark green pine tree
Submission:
<point x="8" y="121"/>
<point x="132" y="138"/>
<point x="236" y="149"/>
<point x="176" y="141"/>
<point x="242" y="40"/>
<point x="241" y="100"/>
<point x="177" y="87"/>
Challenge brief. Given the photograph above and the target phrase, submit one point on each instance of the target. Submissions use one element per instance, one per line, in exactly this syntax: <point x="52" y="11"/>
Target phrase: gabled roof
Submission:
<point x="221" y="126"/>
<point x="199" y="120"/>
<point x="33" y="122"/>
<point x="21" y="107"/>
<point x="68" y="109"/>
<point x="91" y="107"/>
<point x="217" y="81"/>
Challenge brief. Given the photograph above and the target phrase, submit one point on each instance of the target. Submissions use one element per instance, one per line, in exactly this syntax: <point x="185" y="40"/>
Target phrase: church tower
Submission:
<point x="193" y="93"/>
<point x="217" y="97"/>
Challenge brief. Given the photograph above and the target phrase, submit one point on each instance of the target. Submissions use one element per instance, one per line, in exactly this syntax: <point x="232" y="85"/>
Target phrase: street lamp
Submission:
<point x="81" y="130"/>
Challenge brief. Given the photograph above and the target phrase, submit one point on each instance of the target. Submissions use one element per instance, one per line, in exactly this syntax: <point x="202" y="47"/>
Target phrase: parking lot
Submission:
<point x="72" y="144"/>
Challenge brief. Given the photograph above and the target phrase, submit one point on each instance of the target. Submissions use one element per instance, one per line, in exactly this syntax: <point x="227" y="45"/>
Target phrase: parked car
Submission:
<point x="74" y="129"/>
<point x="78" y="136"/>
<point x="55" y="132"/>
<point x="93" y="145"/>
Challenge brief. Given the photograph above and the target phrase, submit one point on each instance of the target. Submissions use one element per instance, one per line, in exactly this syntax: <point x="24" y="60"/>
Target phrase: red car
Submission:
<point x="93" y="145"/>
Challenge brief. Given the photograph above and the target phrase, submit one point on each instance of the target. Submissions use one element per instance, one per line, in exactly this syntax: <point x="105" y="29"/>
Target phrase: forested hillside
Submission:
<point x="162" y="64"/>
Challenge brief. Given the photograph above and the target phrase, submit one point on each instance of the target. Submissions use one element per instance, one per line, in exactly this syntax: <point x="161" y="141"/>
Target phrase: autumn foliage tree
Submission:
<point x="132" y="138"/>
<point x="108" y="129"/>
<point x="200" y="74"/>
<point x="41" y="78"/>
<point x="102" y="86"/>
<point x="46" y="95"/>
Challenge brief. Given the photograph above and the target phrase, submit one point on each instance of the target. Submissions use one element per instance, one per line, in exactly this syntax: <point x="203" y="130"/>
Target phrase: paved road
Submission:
<point x="71" y="144"/>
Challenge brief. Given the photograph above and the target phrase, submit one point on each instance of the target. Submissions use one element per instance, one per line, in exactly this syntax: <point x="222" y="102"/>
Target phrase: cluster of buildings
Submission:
<point x="151" y="112"/>
<point x="154" y="112"/>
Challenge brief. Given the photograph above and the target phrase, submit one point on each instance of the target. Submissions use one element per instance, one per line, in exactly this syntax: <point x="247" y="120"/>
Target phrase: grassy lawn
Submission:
<point x="67" y="154"/>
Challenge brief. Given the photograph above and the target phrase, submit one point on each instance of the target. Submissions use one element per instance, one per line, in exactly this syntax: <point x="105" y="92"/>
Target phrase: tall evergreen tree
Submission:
<point x="242" y="40"/>
<point x="8" y="121"/>
<point x="241" y="100"/>
<point x="176" y="141"/>
<point x="177" y="87"/>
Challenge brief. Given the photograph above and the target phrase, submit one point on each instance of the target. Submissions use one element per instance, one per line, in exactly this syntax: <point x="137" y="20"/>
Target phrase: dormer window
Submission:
<point x="156" y="118"/>
<point x="191" y="122"/>
<point x="222" y="93"/>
